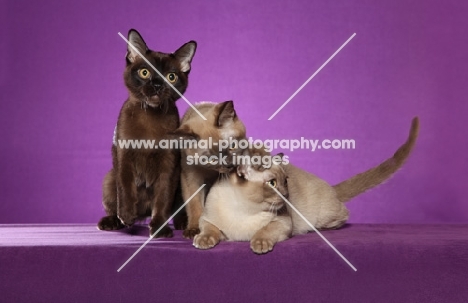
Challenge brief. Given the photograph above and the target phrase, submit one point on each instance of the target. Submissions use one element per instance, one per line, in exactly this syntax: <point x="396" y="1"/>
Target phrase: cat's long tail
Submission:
<point x="358" y="184"/>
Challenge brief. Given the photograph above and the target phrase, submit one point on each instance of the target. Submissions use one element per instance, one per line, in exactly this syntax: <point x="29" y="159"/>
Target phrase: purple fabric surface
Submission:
<point x="77" y="263"/>
<point x="61" y="89"/>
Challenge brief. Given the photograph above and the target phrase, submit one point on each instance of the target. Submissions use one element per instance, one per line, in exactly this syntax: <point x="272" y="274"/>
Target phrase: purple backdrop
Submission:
<point x="62" y="89"/>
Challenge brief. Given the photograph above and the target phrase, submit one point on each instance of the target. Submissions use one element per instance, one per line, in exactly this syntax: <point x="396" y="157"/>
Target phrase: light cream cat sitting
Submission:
<point x="244" y="207"/>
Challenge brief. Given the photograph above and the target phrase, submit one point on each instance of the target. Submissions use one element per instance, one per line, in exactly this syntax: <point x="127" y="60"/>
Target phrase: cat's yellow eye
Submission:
<point x="171" y="77"/>
<point x="144" y="73"/>
<point x="212" y="160"/>
<point x="272" y="183"/>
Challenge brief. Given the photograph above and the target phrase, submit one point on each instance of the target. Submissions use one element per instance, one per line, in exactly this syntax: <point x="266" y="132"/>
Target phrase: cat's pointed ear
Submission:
<point x="277" y="159"/>
<point x="280" y="155"/>
<point x="184" y="132"/>
<point x="225" y="113"/>
<point x="185" y="54"/>
<point x="135" y="40"/>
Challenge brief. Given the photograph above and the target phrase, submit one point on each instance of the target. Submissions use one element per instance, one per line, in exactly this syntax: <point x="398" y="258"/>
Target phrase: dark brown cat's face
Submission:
<point x="144" y="83"/>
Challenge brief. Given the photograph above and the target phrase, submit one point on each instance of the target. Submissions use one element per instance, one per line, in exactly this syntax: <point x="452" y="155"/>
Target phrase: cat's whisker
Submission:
<point x="144" y="103"/>
<point x="223" y="177"/>
<point x="271" y="208"/>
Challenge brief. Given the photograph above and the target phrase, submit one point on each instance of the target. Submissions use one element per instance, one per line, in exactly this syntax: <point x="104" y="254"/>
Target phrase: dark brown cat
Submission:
<point x="143" y="182"/>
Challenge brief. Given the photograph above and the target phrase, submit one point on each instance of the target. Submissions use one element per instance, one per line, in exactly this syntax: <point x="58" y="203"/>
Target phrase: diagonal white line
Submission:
<point x="311" y="77"/>
<point x="313" y="227"/>
<point x="164" y="78"/>
<point x="165" y="223"/>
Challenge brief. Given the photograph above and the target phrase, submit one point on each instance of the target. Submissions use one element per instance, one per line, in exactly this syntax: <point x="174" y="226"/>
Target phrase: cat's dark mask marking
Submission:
<point x="145" y="84"/>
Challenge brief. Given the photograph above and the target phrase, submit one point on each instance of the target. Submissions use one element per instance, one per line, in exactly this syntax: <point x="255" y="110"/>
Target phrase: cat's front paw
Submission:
<point x="155" y="225"/>
<point x="110" y="223"/>
<point x="261" y="245"/>
<point x="165" y="232"/>
<point x="190" y="233"/>
<point x="205" y="241"/>
<point x="127" y="219"/>
<point x="180" y="222"/>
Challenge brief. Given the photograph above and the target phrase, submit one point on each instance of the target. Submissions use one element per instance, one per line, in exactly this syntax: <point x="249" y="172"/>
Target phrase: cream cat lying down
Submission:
<point x="242" y="206"/>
